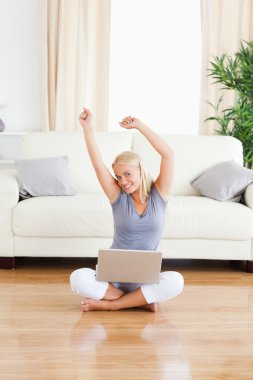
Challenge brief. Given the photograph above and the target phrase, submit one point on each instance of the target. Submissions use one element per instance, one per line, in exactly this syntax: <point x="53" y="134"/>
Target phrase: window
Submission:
<point x="155" y="63"/>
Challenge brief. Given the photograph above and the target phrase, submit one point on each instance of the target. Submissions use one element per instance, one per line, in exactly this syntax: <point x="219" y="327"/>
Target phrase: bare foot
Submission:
<point x="150" y="306"/>
<point x="88" y="304"/>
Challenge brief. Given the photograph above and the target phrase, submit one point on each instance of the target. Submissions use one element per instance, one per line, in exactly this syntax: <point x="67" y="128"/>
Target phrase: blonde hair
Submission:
<point x="132" y="158"/>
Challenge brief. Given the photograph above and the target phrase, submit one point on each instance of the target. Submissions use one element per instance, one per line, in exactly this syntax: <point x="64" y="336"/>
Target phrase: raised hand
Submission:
<point x="85" y="119"/>
<point x="130" y="122"/>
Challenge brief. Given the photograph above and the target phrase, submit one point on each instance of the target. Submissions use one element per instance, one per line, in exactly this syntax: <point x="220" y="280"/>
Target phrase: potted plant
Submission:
<point x="236" y="74"/>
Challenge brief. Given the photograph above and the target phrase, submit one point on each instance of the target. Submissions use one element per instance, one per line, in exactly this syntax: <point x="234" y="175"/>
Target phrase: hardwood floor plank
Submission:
<point x="205" y="333"/>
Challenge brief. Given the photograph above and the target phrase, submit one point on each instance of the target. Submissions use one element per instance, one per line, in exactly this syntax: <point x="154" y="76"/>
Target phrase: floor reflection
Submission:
<point x="129" y="342"/>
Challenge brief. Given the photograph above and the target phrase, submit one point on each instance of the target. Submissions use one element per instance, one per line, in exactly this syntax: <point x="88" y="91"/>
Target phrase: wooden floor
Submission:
<point x="206" y="333"/>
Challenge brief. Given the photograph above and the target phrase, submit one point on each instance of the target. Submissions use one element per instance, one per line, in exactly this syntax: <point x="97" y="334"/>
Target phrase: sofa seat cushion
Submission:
<point x="197" y="217"/>
<point x="90" y="215"/>
<point x="80" y="215"/>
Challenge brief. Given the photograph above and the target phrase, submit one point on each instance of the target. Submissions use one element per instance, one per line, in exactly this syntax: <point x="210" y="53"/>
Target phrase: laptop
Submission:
<point x="136" y="266"/>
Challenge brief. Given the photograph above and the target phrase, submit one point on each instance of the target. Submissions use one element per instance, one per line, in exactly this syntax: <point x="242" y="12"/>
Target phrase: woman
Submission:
<point x="138" y="206"/>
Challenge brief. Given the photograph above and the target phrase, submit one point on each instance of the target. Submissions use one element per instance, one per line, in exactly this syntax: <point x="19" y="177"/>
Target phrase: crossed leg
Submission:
<point x="116" y="299"/>
<point x="103" y="296"/>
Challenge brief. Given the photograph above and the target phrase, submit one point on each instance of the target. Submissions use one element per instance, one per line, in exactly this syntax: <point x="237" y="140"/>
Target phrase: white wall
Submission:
<point x="21" y="64"/>
<point x="156" y="63"/>
<point x="137" y="52"/>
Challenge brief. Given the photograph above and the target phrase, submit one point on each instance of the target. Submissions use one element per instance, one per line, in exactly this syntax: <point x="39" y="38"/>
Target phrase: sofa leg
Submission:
<point x="7" y="262"/>
<point x="249" y="266"/>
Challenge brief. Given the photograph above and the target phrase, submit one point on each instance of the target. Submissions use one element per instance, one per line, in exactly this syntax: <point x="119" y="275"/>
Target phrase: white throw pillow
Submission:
<point x="224" y="181"/>
<point x="44" y="176"/>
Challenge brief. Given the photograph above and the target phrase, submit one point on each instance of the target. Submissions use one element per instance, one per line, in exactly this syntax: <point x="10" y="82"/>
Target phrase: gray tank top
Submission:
<point x="134" y="231"/>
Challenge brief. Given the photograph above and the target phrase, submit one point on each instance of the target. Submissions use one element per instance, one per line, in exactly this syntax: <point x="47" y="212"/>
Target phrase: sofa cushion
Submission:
<point x="248" y="196"/>
<point x="192" y="155"/>
<point x="72" y="144"/>
<point x="81" y="215"/>
<point x="90" y="215"/>
<point x="204" y="218"/>
<point x="223" y="181"/>
<point x="44" y="176"/>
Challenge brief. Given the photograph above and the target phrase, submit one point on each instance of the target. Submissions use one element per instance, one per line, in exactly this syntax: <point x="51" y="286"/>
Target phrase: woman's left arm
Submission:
<point x="163" y="183"/>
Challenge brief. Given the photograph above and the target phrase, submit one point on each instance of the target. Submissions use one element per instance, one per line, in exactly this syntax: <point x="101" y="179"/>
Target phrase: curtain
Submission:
<point x="224" y="24"/>
<point x="76" y="66"/>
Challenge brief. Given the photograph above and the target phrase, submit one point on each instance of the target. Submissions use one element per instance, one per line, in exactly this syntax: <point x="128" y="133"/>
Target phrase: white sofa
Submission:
<point x="76" y="226"/>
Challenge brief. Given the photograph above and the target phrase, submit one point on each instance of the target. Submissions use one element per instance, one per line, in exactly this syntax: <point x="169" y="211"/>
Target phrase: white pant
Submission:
<point x="83" y="281"/>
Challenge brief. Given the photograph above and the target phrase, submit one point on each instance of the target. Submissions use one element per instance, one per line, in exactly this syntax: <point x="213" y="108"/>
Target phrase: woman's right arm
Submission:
<point x="106" y="180"/>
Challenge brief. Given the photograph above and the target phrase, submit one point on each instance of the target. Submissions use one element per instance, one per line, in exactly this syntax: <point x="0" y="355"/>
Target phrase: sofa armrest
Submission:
<point x="9" y="190"/>
<point x="248" y="196"/>
<point x="9" y="196"/>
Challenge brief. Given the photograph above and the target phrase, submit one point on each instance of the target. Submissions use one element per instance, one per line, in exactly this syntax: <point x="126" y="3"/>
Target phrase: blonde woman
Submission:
<point x="138" y="205"/>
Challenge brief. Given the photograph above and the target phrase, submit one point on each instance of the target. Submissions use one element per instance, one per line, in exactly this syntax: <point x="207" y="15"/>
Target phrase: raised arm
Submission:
<point x="163" y="182"/>
<point x="106" y="180"/>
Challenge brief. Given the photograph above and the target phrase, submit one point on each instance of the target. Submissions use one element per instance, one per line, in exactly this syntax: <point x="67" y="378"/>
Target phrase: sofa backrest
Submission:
<point x="72" y="144"/>
<point x="193" y="154"/>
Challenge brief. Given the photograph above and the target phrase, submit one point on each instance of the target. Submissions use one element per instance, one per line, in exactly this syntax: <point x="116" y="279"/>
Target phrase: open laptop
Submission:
<point x="119" y="265"/>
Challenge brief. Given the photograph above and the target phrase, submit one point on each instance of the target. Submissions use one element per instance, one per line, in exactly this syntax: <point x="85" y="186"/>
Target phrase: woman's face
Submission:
<point x="128" y="177"/>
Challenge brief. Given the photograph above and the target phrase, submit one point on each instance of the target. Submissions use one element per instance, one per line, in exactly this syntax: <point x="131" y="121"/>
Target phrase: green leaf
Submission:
<point x="236" y="74"/>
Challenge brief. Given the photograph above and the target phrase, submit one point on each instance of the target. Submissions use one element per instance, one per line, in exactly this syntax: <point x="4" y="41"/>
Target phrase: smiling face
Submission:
<point x="128" y="177"/>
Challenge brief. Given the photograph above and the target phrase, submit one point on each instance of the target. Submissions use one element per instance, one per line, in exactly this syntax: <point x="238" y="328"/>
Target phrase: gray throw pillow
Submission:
<point x="223" y="181"/>
<point x="44" y="176"/>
